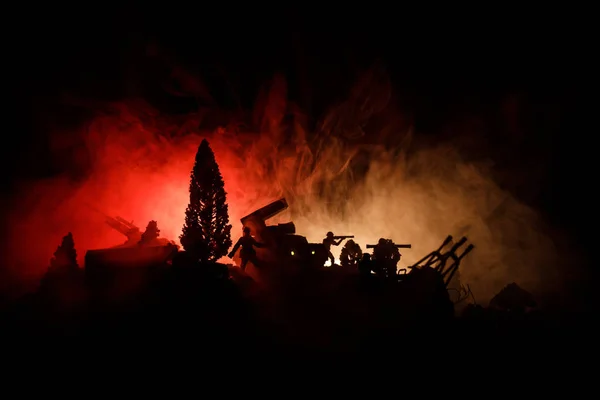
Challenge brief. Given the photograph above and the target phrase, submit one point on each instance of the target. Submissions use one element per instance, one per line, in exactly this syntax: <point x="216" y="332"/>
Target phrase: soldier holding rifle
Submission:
<point x="330" y="240"/>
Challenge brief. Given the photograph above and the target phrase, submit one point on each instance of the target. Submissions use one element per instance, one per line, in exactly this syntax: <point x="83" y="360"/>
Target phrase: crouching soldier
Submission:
<point x="351" y="254"/>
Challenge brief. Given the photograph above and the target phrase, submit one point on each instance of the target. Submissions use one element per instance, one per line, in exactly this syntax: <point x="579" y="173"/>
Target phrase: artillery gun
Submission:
<point x="131" y="231"/>
<point x="445" y="263"/>
<point x="283" y="245"/>
<point x="123" y="267"/>
<point x="425" y="287"/>
<point x="126" y="228"/>
<point x="386" y="256"/>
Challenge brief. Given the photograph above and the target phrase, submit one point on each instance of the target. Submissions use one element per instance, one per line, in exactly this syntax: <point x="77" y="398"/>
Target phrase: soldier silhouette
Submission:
<point x="386" y="257"/>
<point x="381" y="250"/>
<point x="328" y="242"/>
<point x="351" y="254"/>
<point x="394" y="252"/>
<point x="248" y="243"/>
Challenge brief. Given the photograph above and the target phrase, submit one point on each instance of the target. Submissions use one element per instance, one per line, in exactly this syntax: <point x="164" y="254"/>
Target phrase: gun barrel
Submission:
<point x="268" y="211"/>
<point x="398" y="246"/>
<point x="124" y="228"/>
<point x="119" y="224"/>
<point x="446" y="241"/>
<point x="344" y="237"/>
<point x="124" y="221"/>
<point x="458" y="244"/>
<point x="116" y="225"/>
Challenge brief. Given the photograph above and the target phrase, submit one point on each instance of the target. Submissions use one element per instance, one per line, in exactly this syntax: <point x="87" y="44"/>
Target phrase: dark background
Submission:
<point x="443" y="65"/>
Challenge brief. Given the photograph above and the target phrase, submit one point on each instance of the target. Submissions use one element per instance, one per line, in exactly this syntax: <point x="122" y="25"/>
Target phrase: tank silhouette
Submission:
<point x="120" y="268"/>
<point x="122" y="271"/>
<point x="283" y="245"/>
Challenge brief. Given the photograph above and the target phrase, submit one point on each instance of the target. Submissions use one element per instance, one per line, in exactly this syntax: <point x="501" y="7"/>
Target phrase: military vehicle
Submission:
<point x="121" y="268"/>
<point x="121" y="271"/>
<point x="128" y="229"/>
<point x="283" y="246"/>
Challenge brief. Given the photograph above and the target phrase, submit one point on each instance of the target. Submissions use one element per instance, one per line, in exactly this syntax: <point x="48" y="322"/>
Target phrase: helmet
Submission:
<point x="329" y="234"/>
<point x="246" y="229"/>
<point x="382" y="241"/>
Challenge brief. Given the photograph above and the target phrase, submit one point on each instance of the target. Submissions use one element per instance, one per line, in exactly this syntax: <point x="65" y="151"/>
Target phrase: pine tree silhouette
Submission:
<point x="65" y="256"/>
<point x="61" y="286"/>
<point x="151" y="233"/>
<point x="206" y="232"/>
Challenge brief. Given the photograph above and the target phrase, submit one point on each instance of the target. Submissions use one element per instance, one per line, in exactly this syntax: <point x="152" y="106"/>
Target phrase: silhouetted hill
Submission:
<point x="320" y="314"/>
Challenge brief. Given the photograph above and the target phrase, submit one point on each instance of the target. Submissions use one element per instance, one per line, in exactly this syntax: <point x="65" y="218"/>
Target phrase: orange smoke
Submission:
<point x="411" y="194"/>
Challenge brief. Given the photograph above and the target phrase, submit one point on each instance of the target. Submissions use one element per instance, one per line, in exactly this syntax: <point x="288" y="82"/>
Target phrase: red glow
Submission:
<point x="419" y="199"/>
<point x="131" y="182"/>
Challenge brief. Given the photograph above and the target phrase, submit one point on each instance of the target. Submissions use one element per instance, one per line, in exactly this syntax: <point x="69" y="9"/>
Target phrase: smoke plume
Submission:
<point x="359" y="171"/>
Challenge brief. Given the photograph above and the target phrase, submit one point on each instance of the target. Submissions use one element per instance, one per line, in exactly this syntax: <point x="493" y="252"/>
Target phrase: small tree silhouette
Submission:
<point x="206" y="233"/>
<point x="65" y="256"/>
<point x="150" y="234"/>
<point x="61" y="287"/>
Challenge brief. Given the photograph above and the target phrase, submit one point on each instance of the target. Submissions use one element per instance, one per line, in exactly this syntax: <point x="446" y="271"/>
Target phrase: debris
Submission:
<point x="513" y="299"/>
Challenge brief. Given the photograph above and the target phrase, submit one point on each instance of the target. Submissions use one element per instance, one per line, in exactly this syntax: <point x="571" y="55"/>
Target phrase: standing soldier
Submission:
<point x="327" y="242"/>
<point x="248" y="243"/>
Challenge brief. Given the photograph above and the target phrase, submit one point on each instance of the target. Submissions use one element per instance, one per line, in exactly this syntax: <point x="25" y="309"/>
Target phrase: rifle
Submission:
<point x="398" y="246"/>
<point x="344" y="237"/>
